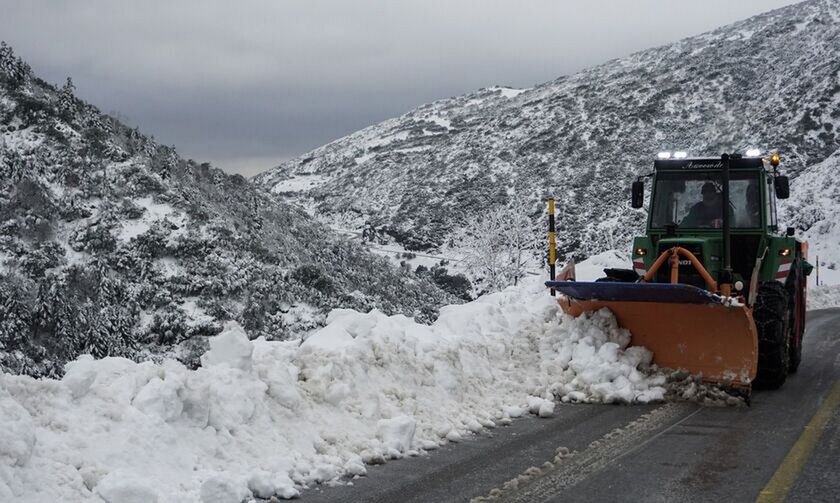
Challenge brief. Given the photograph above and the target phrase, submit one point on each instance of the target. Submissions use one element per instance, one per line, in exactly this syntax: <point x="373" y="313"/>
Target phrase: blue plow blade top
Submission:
<point x="635" y="292"/>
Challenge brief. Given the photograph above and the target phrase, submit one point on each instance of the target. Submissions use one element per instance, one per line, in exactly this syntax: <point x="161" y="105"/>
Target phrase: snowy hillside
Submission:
<point x="111" y="244"/>
<point x="814" y="209"/>
<point x="771" y="81"/>
<point x="269" y="418"/>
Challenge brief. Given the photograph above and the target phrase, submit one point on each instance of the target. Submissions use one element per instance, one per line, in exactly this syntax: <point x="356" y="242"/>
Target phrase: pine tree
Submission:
<point x="54" y="317"/>
<point x="12" y="69"/>
<point x="67" y="100"/>
<point x="255" y="221"/>
<point x="15" y="319"/>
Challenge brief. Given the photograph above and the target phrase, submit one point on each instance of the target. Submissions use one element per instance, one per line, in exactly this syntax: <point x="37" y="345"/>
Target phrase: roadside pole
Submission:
<point x="551" y="243"/>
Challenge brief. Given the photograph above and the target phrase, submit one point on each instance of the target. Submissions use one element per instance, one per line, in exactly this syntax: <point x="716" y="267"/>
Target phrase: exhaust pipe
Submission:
<point x="725" y="279"/>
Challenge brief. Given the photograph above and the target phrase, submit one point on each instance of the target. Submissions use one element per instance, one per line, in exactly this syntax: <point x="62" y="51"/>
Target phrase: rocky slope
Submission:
<point x="814" y="210"/>
<point x="771" y="81"/>
<point x="112" y="244"/>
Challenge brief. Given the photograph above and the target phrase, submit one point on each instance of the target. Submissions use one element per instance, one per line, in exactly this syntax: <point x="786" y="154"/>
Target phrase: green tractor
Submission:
<point x="716" y="287"/>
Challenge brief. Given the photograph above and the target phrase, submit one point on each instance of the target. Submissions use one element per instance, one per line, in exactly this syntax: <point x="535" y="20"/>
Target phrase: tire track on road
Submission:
<point x="543" y="483"/>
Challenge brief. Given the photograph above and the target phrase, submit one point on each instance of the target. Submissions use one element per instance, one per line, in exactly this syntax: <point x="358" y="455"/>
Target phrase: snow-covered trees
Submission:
<point x="111" y="244"/>
<point x="497" y="248"/>
<point x="67" y="100"/>
<point x="15" y="317"/>
<point x="12" y="69"/>
<point x="456" y="284"/>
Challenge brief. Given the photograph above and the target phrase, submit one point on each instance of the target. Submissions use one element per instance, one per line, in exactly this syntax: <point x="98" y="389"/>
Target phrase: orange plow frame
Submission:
<point x="718" y="341"/>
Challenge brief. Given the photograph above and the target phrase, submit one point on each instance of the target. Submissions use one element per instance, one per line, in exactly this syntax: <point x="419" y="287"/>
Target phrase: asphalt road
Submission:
<point x="667" y="452"/>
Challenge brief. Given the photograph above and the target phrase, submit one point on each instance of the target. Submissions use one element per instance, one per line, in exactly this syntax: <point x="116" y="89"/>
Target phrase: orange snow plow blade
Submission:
<point x="686" y="327"/>
<point x="718" y="342"/>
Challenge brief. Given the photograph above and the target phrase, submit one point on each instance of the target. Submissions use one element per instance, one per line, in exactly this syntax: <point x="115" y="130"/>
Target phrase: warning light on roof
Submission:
<point x="680" y="154"/>
<point x="753" y="152"/>
<point x="664" y="155"/>
<point x="775" y="159"/>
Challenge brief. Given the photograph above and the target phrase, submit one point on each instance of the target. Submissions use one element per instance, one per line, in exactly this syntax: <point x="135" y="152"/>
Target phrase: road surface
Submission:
<point x="665" y="452"/>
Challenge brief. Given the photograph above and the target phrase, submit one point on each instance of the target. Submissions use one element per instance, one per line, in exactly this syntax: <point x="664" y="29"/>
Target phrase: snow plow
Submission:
<point x="716" y="289"/>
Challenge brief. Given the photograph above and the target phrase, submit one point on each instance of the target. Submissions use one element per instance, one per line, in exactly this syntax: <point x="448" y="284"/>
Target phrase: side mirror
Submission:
<point x="790" y="231"/>
<point x="782" y="187"/>
<point x="637" y="199"/>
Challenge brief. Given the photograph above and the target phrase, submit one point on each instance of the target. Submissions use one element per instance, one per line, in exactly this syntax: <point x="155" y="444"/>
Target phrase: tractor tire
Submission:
<point x="772" y="320"/>
<point x="794" y="357"/>
<point x="797" y="313"/>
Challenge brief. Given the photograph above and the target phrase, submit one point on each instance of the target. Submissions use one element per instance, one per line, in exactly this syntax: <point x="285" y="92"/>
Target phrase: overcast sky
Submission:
<point x="247" y="84"/>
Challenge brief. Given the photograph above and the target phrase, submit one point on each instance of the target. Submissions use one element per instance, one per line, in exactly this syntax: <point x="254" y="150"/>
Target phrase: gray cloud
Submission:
<point x="247" y="84"/>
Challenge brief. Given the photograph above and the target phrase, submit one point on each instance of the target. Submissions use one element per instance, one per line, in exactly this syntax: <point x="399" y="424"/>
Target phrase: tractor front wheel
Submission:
<point x="772" y="319"/>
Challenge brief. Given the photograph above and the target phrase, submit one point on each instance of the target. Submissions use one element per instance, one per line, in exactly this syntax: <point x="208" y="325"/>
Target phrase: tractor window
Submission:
<point x="693" y="200"/>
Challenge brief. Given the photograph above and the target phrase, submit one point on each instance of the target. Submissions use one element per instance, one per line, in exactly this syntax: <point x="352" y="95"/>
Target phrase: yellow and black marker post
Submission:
<point x="551" y="242"/>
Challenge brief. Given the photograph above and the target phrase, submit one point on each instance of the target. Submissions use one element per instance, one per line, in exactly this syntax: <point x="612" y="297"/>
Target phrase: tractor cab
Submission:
<point x="686" y="210"/>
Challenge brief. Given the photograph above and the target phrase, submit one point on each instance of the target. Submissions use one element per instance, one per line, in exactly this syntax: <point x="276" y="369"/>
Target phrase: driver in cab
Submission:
<point x="708" y="212"/>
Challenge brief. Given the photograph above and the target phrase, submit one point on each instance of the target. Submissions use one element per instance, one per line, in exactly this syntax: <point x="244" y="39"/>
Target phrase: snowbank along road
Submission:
<point x="261" y="419"/>
<point x="784" y="447"/>
<point x="268" y="418"/>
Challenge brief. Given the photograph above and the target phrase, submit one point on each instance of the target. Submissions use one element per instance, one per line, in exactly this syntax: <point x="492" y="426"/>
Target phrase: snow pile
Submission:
<point x="593" y="267"/>
<point x="823" y="297"/>
<point x="684" y="387"/>
<point x="264" y="419"/>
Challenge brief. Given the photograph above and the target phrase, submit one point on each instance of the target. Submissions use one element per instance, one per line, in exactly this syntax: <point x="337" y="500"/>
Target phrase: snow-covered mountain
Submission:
<point x="771" y="81"/>
<point x="111" y="244"/>
<point x="814" y="209"/>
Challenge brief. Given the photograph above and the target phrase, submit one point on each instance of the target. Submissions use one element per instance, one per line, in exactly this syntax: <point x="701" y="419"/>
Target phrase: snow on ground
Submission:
<point x="263" y="418"/>
<point x="154" y="212"/>
<point x="421" y="148"/>
<point x="195" y="315"/>
<point x="439" y="120"/>
<point x="823" y="297"/>
<point x="364" y="158"/>
<point x="509" y="92"/>
<point x="382" y="141"/>
<point x="397" y="254"/>
<point x="593" y="267"/>
<point x="299" y="183"/>
<point x="813" y="206"/>
<point x="169" y="267"/>
<point x="829" y="273"/>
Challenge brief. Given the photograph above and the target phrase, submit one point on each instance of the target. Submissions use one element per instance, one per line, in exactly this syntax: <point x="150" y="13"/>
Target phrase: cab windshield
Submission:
<point x="693" y="200"/>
